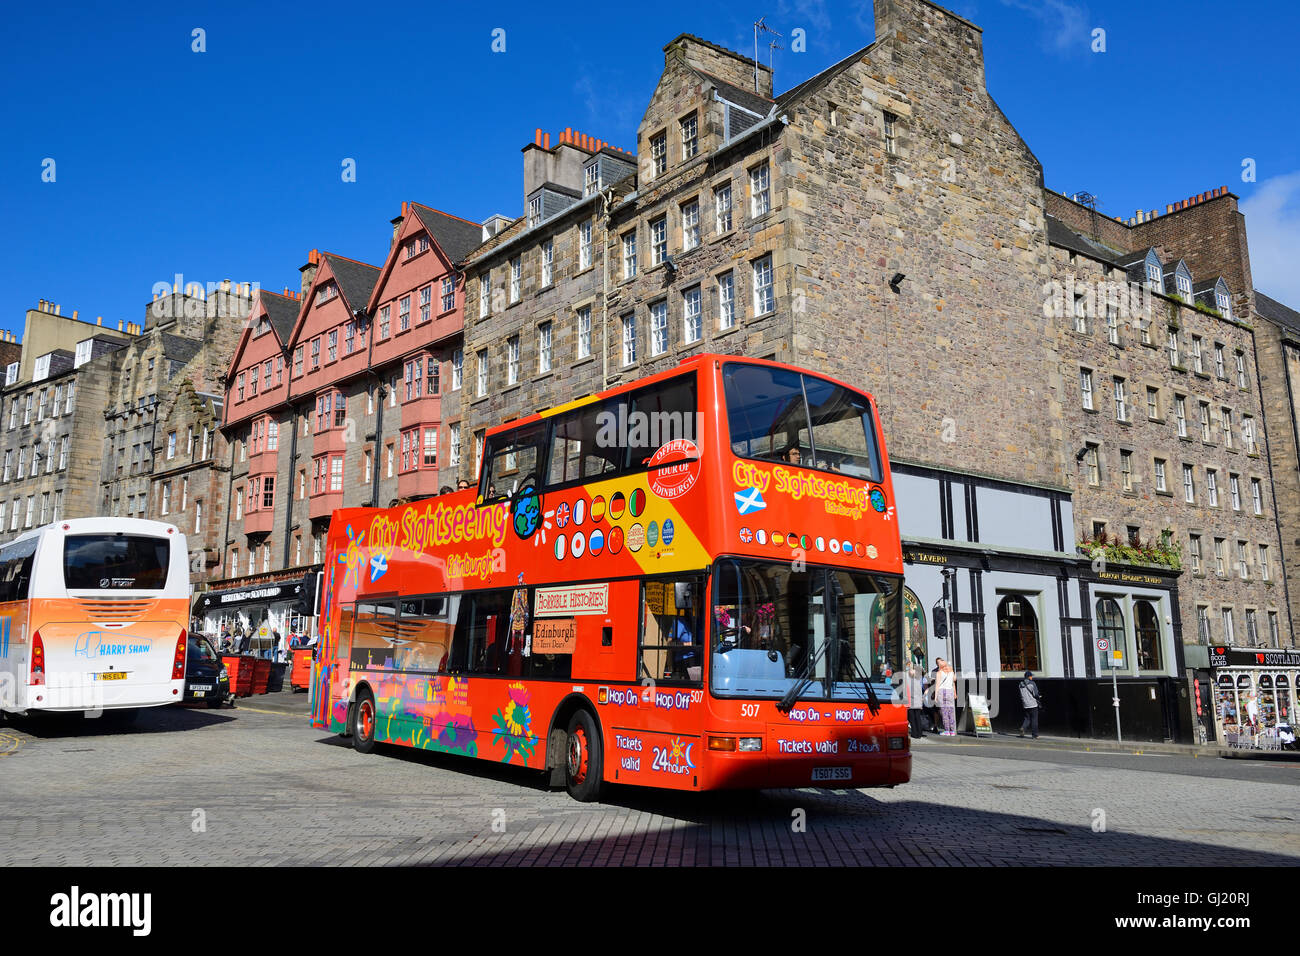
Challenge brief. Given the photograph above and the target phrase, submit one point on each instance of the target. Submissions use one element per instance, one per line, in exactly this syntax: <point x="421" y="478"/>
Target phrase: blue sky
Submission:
<point x="226" y="163"/>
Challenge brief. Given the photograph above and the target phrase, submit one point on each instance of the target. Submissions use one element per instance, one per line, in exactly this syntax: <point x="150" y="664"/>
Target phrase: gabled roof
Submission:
<point x="1171" y="267"/>
<point x="356" y="279"/>
<point x="1276" y="312"/>
<point x="747" y="99"/>
<point x="282" y="311"/>
<point x="1138" y="257"/>
<point x="1209" y="285"/>
<point x="457" y="237"/>
<point x="820" y="79"/>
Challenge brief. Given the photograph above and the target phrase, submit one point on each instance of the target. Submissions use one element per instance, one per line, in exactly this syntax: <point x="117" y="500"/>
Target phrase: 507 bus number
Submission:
<point x="749" y="710"/>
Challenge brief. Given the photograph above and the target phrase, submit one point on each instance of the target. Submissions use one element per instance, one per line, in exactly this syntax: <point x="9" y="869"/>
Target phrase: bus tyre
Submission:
<point x="583" y="771"/>
<point x="363" y="723"/>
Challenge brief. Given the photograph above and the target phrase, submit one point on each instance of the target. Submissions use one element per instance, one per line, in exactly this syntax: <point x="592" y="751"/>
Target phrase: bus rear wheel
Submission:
<point x="583" y="770"/>
<point x="363" y="723"/>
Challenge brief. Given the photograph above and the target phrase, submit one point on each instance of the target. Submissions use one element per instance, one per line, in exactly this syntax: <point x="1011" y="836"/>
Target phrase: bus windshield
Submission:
<point x="787" y="416"/>
<point x="115" y="561"/>
<point x="824" y="633"/>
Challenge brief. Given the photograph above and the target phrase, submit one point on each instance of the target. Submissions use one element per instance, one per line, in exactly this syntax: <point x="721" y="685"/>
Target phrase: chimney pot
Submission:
<point x="119" y="325"/>
<point x="99" y="320"/>
<point x="74" y="313"/>
<point x="537" y="136"/>
<point x="546" y="140"/>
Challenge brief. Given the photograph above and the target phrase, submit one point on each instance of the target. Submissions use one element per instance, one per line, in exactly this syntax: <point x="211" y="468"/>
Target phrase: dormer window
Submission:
<point x="591" y="180"/>
<point x="1154" y="282"/>
<point x="1184" y="285"/>
<point x="41" y="370"/>
<point x="1223" y="302"/>
<point x="83" y="353"/>
<point x="326" y="292"/>
<point x="263" y="326"/>
<point x="534" y="211"/>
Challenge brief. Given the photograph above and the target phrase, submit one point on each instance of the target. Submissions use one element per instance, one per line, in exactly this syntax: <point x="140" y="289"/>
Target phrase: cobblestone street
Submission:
<point x="265" y="789"/>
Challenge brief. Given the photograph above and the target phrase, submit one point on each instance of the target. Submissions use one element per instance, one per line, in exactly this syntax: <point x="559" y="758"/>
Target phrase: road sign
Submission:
<point x="1103" y="644"/>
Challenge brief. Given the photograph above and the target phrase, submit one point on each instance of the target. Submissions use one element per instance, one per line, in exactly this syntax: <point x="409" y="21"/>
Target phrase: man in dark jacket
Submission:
<point x="1030" y="699"/>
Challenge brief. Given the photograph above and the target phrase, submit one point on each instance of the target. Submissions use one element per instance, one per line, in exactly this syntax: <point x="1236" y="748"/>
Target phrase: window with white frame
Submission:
<point x="591" y="180"/>
<point x="534" y="211"/>
<point x="544" y="347"/>
<point x="722" y="209"/>
<point x="726" y="300"/>
<point x="457" y="369"/>
<point x="691" y="225"/>
<point x="1257" y="495"/>
<point x="1153" y="403"/>
<point x="482" y="373"/>
<point x="1273" y="632"/>
<point x="1263" y="562"/>
<point x="1197" y="364"/>
<point x="692" y="324"/>
<point x="512" y="360"/>
<point x="1225" y="416"/>
<point x="1243" y="570"/>
<point x="1248" y="433"/>
<point x="1126" y="469"/>
<point x="1180" y="413"/>
<point x="629" y="254"/>
<point x="1220" y="366"/>
<point x="658" y="240"/>
<point x="690" y="136"/>
<point x="1220" y="557"/>
<point x="1092" y="462"/>
<point x="584" y="244"/>
<point x="659" y="153"/>
<point x="1205" y="421"/>
<point x="760" y="190"/>
<point x="83" y="353"/>
<point x="1172" y="345"/>
<point x="1212" y="487"/>
<point x="453" y="450"/>
<point x="426" y="303"/>
<point x="1194" y="550"/>
<point x="1085" y="387"/>
<point x="404" y="313"/>
<point x="1189" y="484"/>
<point x="584" y="331"/>
<point x="548" y="262"/>
<point x="891" y="132"/>
<point x="1234" y="491"/>
<point x="484" y="295"/>
<point x="764" y="289"/>
<point x="629" y="339"/>
<point x="659" y="328"/>
<point x="1241" y="370"/>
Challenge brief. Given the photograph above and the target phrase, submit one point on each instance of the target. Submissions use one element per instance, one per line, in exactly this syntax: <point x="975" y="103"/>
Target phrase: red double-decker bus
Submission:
<point x="691" y="581"/>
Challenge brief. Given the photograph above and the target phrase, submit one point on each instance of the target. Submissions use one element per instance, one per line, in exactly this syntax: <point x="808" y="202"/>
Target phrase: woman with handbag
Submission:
<point x="945" y="692"/>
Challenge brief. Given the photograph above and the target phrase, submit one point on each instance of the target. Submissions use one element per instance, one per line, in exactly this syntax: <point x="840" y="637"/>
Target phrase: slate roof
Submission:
<point x="282" y="311"/>
<point x="1276" y="312"/>
<point x="356" y="279"/>
<point x="178" y="348"/>
<point x="1059" y="234"/>
<point x="742" y="97"/>
<point x="456" y="237"/>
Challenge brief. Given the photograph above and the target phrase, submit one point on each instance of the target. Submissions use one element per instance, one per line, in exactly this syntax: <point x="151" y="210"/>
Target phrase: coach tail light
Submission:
<point x="38" y="660"/>
<point x="178" y="662"/>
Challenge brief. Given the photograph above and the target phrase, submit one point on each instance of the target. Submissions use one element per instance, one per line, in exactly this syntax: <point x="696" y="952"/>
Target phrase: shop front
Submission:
<point x="258" y="610"/>
<point x="1254" y="693"/>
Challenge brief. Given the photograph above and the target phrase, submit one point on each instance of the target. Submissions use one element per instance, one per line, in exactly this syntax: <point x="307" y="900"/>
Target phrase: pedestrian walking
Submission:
<point x="914" y="683"/>
<point x="1030" y="699"/>
<point x="945" y="693"/>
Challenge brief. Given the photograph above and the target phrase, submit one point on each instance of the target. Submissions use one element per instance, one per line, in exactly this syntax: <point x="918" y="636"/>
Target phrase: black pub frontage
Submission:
<point x="997" y="561"/>
<point x="261" y="607"/>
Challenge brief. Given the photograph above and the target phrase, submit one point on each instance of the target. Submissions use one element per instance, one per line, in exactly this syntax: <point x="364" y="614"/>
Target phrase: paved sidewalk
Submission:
<point x="1091" y="745"/>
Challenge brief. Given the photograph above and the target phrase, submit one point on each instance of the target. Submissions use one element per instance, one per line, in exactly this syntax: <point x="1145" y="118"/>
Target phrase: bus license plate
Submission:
<point x="832" y="773"/>
<point x="112" y="675"/>
<point x="200" y="687"/>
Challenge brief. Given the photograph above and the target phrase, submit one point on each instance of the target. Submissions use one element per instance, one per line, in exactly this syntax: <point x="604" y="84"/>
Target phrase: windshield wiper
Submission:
<point x="786" y="702"/>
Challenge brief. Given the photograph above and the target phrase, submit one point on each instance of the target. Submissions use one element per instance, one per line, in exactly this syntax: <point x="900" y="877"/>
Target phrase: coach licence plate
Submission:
<point x="112" y="675"/>
<point x="200" y="687"/>
<point x="832" y="773"/>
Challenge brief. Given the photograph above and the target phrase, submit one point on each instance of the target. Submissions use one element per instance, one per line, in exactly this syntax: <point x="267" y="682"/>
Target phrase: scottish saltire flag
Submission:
<point x="749" y="500"/>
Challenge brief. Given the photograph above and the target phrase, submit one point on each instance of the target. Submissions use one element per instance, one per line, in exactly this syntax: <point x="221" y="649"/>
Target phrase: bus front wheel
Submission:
<point x="583" y="771"/>
<point x="363" y="723"/>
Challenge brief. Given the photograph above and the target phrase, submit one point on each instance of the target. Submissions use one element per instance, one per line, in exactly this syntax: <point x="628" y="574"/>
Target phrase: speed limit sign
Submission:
<point x="1103" y="644"/>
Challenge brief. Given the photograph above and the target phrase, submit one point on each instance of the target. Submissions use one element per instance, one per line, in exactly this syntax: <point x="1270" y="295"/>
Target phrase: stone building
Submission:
<point x="874" y="224"/>
<point x="1168" y="424"/>
<point x="53" y="402"/>
<point x="188" y="334"/>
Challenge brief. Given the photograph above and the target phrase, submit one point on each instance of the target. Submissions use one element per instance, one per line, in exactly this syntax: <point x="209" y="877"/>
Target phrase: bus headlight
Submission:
<point x="751" y="744"/>
<point x="722" y="743"/>
<point x="224" y="674"/>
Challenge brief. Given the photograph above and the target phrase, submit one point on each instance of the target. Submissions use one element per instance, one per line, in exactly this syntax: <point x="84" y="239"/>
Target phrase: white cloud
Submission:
<point x="1065" y="25"/>
<point x="1273" y="229"/>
